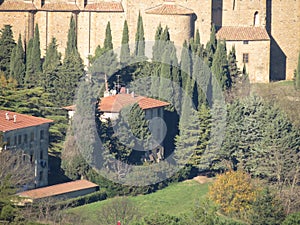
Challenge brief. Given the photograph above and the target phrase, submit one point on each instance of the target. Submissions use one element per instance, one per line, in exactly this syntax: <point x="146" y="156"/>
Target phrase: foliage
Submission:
<point x="139" y="51"/>
<point x="233" y="70"/>
<point x="108" y="45"/>
<point x="266" y="209"/>
<point x="125" y="51"/>
<point x="219" y="66"/>
<point x="17" y="63"/>
<point x="292" y="219"/>
<point x="29" y="65"/>
<point x="211" y="47"/>
<point x="7" y="45"/>
<point x="233" y="191"/>
<point x="185" y="66"/>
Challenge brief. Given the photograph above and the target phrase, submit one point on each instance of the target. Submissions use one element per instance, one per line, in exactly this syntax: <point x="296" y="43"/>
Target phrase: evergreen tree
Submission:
<point x="71" y="71"/>
<point x="108" y="45"/>
<point x="36" y="54"/>
<point x="7" y="45"/>
<point x="51" y="67"/>
<point x="233" y="70"/>
<point x="297" y="83"/>
<point x="125" y="51"/>
<point x="17" y="63"/>
<point x="175" y="77"/>
<point x="156" y="50"/>
<point x="140" y="39"/>
<point x="211" y="47"/>
<point x="185" y="65"/>
<point x="220" y="66"/>
<point x="29" y="66"/>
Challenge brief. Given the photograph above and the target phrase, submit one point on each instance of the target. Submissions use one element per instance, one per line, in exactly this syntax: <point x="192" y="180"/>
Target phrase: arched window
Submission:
<point x="256" y="19"/>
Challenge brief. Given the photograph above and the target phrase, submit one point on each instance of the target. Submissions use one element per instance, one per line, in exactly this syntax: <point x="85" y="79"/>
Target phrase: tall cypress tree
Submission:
<point x="185" y="65"/>
<point x="17" y="63"/>
<point x="108" y="45"/>
<point x="71" y="71"/>
<point x="51" y="67"/>
<point x="140" y="39"/>
<point x="125" y="51"/>
<point x="156" y="51"/>
<point x="233" y="70"/>
<point x="36" y="53"/>
<point x="211" y="47"/>
<point x="29" y="67"/>
<point x="220" y="66"/>
<point x="7" y="45"/>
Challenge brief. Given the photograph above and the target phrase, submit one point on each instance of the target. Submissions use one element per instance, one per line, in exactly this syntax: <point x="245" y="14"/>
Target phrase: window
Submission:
<point x="41" y="175"/>
<point x="245" y="57"/>
<point x="8" y="141"/>
<point x="25" y="138"/>
<point x="42" y="134"/>
<point x="19" y="139"/>
<point x="31" y="136"/>
<point x="256" y="19"/>
<point x="245" y="42"/>
<point x="16" y="140"/>
<point x="41" y="154"/>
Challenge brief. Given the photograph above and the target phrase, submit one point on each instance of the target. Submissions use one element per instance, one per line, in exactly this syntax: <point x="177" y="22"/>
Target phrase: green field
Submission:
<point x="176" y="199"/>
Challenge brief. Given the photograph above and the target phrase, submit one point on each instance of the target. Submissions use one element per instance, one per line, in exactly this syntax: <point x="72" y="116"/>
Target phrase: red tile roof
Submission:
<point x="22" y="121"/>
<point x="169" y="8"/>
<point x="115" y="103"/>
<point x="60" y="7"/>
<point x="70" y="108"/>
<point x="17" y="6"/>
<point x="105" y="7"/>
<point x="58" y="189"/>
<point x="243" y="33"/>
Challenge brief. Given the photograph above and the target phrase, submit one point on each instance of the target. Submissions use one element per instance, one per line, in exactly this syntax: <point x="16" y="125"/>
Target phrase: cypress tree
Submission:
<point x="51" y="67"/>
<point x="220" y="66"/>
<point x="175" y="77"/>
<point x="36" y="54"/>
<point x="29" y="66"/>
<point x="140" y="39"/>
<point x="17" y="63"/>
<point x="156" y="51"/>
<point x="298" y="74"/>
<point x="125" y="51"/>
<point x="108" y="45"/>
<point x="185" y="65"/>
<point x="233" y="70"/>
<point x="211" y="47"/>
<point x="71" y="71"/>
<point x="7" y="45"/>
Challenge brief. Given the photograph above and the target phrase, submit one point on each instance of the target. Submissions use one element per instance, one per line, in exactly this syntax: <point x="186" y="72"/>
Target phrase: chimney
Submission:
<point x="6" y="116"/>
<point x="15" y="118"/>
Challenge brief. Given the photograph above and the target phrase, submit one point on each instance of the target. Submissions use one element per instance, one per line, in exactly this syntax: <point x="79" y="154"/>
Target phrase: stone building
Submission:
<point x="280" y="19"/>
<point x="30" y="134"/>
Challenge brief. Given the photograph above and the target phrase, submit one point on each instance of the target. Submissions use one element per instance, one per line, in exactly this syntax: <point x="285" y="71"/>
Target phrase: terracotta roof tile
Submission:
<point x="58" y="189"/>
<point x="169" y="8"/>
<point x="60" y="7"/>
<point x="115" y="103"/>
<point x="22" y="121"/>
<point x="243" y="33"/>
<point x="70" y="108"/>
<point x="16" y="6"/>
<point x="105" y="7"/>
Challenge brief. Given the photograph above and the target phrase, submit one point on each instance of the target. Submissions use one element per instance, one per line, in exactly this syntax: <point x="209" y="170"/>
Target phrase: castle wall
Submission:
<point x="241" y="13"/>
<point x="285" y="38"/>
<point x="259" y="58"/>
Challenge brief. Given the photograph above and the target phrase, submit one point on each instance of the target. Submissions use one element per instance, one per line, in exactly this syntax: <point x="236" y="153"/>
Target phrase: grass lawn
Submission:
<point x="176" y="199"/>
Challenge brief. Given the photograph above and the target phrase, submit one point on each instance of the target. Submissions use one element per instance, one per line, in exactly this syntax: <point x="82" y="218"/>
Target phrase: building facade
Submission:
<point x="30" y="134"/>
<point x="280" y="19"/>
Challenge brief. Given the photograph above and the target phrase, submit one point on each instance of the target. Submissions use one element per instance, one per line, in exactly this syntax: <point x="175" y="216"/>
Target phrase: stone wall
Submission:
<point x="259" y="58"/>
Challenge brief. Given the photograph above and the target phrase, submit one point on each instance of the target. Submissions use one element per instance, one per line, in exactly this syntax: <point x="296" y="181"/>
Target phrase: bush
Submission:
<point x="292" y="219"/>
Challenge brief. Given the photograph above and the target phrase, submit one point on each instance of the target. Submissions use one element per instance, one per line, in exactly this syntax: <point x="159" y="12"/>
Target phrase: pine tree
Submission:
<point x="140" y="39"/>
<point x="233" y="70"/>
<point x="108" y="45"/>
<point x="71" y="71"/>
<point x="51" y="67"/>
<point x="220" y="66"/>
<point x="211" y="47"/>
<point x="7" y="45"/>
<point x="125" y="51"/>
<point x="17" y="63"/>
<point x="297" y="83"/>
